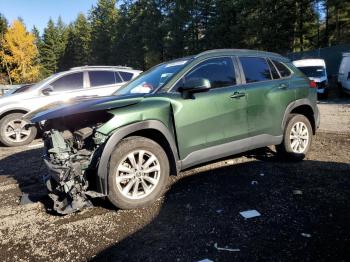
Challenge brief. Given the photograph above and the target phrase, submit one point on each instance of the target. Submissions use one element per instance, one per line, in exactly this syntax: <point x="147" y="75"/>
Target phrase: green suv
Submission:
<point x="177" y="115"/>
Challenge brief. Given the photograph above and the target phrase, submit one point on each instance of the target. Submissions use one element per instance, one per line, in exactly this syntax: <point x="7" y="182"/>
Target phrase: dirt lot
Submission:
<point x="200" y="210"/>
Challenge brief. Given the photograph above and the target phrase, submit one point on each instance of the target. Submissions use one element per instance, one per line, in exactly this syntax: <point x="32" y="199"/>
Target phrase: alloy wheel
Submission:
<point x="299" y="137"/>
<point x="138" y="174"/>
<point x="16" y="131"/>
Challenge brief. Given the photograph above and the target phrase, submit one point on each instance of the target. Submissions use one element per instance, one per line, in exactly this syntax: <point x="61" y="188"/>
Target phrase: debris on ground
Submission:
<point x="36" y="145"/>
<point x="306" y="235"/>
<point x="25" y="199"/>
<point x="261" y="174"/>
<point x="219" y="211"/>
<point x="226" y="248"/>
<point x="254" y="182"/>
<point x="297" y="192"/>
<point x="30" y="199"/>
<point x="206" y="260"/>
<point x="250" y="214"/>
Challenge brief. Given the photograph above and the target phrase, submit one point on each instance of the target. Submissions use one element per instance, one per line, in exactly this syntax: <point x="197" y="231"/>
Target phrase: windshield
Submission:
<point x="313" y="71"/>
<point x="153" y="79"/>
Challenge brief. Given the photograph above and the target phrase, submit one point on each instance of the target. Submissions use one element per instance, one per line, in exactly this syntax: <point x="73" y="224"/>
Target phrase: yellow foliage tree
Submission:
<point x="19" y="53"/>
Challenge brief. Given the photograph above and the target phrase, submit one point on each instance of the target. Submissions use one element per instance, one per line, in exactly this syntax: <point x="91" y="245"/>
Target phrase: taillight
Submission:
<point x="312" y="84"/>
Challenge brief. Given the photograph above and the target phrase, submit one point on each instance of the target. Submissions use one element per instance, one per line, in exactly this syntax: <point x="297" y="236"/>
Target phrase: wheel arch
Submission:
<point x="303" y="107"/>
<point x="152" y="129"/>
<point x="13" y="111"/>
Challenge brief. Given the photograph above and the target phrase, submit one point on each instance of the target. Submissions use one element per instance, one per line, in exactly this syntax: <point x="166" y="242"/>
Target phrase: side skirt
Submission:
<point x="228" y="149"/>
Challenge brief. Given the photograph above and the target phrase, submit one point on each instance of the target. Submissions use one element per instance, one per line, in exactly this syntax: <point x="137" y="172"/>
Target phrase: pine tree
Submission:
<point x="4" y="78"/>
<point x="139" y="35"/>
<point x="19" y="53"/>
<point x="49" y="59"/>
<point x="38" y="40"/>
<point x="103" y="19"/>
<point x="3" y="24"/>
<point x="38" y="43"/>
<point x="62" y="37"/>
<point x="77" y="52"/>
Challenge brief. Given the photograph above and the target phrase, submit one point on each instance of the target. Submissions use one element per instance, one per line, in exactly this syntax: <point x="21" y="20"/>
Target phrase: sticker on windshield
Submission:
<point x="177" y="63"/>
<point x="142" y="89"/>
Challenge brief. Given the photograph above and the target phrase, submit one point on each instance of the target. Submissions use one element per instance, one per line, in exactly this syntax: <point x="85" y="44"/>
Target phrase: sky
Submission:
<point x="38" y="12"/>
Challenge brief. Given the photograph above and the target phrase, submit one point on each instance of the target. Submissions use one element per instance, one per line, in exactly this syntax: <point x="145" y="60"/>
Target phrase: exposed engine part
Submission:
<point x="82" y="134"/>
<point x="67" y="163"/>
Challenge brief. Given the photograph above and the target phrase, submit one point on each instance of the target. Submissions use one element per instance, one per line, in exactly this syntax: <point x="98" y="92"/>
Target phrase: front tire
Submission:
<point x="14" y="132"/>
<point x="138" y="173"/>
<point x="297" y="138"/>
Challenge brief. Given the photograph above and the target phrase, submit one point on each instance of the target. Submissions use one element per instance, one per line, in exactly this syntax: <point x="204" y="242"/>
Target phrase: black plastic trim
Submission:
<point x="301" y="102"/>
<point x="228" y="149"/>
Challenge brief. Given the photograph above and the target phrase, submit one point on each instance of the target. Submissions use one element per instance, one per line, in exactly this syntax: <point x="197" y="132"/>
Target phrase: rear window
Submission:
<point x="284" y="71"/>
<point x="101" y="78"/>
<point x="255" y="69"/>
<point x="126" y="75"/>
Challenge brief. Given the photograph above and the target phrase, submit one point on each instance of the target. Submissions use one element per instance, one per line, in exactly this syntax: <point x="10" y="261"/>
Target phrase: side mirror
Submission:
<point x="194" y="85"/>
<point x="46" y="90"/>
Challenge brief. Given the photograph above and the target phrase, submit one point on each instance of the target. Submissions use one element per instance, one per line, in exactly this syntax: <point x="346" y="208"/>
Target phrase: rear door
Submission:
<point x="268" y="94"/>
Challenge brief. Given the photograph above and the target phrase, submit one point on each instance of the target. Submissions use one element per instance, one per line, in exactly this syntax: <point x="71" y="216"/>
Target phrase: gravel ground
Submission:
<point x="335" y="115"/>
<point x="305" y="210"/>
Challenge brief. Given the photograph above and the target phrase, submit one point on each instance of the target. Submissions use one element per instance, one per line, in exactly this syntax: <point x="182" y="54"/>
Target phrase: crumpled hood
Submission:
<point x="81" y="105"/>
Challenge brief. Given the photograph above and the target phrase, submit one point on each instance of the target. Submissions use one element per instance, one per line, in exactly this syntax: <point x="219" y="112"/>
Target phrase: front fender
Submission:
<point x="118" y="135"/>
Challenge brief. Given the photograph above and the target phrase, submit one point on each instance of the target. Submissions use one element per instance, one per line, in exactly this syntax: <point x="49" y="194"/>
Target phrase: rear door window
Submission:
<point x="284" y="71"/>
<point x="255" y="69"/>
<point x="126" y="75"/>
<point x="101" y="78"/>
<point x="68" y="82"/>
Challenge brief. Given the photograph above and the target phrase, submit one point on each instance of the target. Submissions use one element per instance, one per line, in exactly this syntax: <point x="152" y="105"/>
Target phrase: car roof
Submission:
<point x="242" y="52"/>
<point x="309" y="62"/>
<point x="230" y="52"/>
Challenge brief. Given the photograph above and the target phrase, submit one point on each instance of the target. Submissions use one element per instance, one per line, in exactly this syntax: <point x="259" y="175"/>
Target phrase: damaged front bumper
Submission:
<point x="71" y="168"/>
<point x="67" y="190"/>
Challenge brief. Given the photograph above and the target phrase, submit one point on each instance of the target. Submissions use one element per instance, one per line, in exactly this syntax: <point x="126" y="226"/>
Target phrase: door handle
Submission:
<point x="237" y="94"/>
<point x="282" y="86"/>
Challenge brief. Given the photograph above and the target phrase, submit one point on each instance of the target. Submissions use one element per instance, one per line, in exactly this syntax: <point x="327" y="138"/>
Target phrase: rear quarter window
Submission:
<point x="126" y="75"/>
<point x="283" y="69"/>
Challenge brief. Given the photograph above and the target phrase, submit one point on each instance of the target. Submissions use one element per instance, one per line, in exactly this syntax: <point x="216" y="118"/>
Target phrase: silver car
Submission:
<point x="61" y="87"/>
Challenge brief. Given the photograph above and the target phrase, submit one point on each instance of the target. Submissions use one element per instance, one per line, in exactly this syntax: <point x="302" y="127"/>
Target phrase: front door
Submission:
<point x="215" y="117"/>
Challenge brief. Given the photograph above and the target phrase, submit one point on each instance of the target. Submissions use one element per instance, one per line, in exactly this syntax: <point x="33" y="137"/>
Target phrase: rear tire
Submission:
<point x="13" y="131"/>
<point x="297" y="138"/>
<point x="138" y="173"/>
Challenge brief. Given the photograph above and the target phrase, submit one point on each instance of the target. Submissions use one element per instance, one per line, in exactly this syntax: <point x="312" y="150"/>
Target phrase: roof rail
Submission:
<point x="236" y="50"/>
<point x="99" y="66"/>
